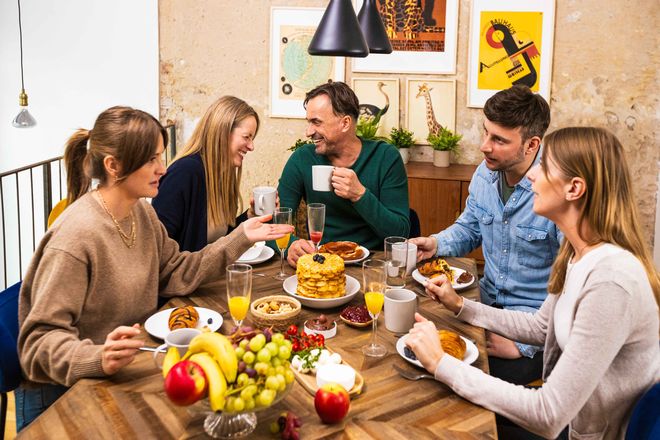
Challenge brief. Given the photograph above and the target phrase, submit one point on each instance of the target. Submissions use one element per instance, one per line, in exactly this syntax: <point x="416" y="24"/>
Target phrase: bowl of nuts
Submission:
<point x="277" y="311"/>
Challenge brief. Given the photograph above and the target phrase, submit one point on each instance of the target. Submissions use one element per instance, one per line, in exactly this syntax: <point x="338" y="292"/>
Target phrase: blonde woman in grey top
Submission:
<point x="600" y="324"/>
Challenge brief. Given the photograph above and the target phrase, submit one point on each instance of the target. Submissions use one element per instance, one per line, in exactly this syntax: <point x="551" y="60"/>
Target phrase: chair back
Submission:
<point x="415" y="228"/>
<point x="10" y="368"/>
<point x="645" y="420"/>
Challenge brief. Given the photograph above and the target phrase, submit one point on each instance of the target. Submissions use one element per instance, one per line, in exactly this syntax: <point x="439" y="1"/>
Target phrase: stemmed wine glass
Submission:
<point x="316" y="222"/>
<point x="373" y="277"/>
<point x="282" y="216"/>
<point x="239" y="290"/>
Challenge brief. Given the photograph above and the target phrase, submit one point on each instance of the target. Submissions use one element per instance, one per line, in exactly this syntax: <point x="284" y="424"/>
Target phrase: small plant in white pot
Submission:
<point x="402" y="139"/>
<point x="443" y="143"/>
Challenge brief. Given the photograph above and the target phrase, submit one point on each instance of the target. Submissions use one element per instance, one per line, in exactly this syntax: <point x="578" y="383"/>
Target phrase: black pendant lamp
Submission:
<point x="339" y="33"/>
<point x="373" y="28"/>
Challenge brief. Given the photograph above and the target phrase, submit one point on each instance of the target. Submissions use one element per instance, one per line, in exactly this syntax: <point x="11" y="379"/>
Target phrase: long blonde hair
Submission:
<point x="211" y="140"/>
<point x="609" y="208"/>
<point x="130" y="135"/>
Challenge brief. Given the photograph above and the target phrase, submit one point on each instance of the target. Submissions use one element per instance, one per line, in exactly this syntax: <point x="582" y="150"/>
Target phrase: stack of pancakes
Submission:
<point x="321" y="280"/>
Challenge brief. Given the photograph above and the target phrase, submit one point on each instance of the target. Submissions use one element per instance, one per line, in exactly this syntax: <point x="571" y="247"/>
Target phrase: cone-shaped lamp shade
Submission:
<point x="373" y="28"/>
<point x="339" y="32"/>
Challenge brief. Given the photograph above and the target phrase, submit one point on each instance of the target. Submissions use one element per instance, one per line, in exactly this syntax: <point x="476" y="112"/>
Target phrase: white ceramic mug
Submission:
<point x="397" y="254"/>
<point x="400" y="307"/>
<point x="264" y="199"/>
<point x="322" y="177"/>
<point x="179" y="338"/>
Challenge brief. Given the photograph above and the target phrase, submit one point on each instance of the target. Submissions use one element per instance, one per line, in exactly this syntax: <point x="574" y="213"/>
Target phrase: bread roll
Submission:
<point x="183" y="317"/>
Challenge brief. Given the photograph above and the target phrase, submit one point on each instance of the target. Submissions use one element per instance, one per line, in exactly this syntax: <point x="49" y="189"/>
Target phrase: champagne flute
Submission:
<point x="282" y="216"/>
<point x="239" y="290"/>
<point x="316" y="222"/>
<point x="396" y="260"/>
<point x="374" y="285"/>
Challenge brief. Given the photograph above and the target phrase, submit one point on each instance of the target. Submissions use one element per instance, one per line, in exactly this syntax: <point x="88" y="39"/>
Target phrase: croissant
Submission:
<point x="347" y="250"/>
<point x="183" y="317"/>
<point x="436" y="267"/>
<point x="452" y="344"/>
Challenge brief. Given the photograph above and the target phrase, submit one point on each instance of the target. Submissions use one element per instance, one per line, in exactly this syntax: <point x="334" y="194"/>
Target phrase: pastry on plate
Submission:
<point x="183" y="317"/>
<point x="347" y="250"/>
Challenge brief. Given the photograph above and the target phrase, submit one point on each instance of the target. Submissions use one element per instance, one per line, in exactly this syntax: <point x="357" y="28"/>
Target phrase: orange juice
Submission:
<point x="238" y="307"/>
<point x="283" y="242"/>
<point x="374" y="302"/>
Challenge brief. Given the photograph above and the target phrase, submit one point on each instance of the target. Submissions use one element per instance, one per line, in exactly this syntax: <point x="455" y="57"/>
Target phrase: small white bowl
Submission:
<point x="342" y="374"/>
<point x="327" y="334"/>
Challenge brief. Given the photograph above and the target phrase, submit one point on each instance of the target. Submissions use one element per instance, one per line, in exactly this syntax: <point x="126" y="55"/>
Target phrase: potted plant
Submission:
<point x="402" y="139"/>
<point x="443" y="143"/>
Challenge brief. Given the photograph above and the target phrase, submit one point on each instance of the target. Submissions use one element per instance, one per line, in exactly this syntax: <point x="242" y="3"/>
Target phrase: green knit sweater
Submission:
<point x="381" y="212"/>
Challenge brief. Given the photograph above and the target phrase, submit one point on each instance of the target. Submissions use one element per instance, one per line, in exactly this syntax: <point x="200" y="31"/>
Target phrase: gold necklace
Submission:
<point x="129" y="240"/>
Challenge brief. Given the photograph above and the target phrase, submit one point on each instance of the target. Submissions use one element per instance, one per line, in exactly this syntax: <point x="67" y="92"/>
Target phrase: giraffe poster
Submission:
<point x="511" y="43"/>
<point x="430" y="104"/>
<point x="379" y="95"/>
<point x="423" y="34"/>
<point x="293" y="72"/>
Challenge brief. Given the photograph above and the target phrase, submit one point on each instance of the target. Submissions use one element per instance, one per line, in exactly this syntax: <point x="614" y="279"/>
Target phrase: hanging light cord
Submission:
<point x="20" y="33"/>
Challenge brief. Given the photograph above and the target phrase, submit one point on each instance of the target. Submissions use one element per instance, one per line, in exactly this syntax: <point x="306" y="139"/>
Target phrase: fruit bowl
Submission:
<point x="228" y="425"/>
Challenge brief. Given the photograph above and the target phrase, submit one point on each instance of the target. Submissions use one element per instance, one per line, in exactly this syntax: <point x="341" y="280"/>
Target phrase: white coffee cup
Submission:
<point x="400" y="307"/>
<point x="264" y="199"/>
<point x="397" y="254"/>
<point x="322" y="177"/>
<point x="179" y="338"/>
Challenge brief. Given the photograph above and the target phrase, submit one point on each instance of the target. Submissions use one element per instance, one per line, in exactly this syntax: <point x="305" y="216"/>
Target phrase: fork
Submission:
<point x="410" y="375"/>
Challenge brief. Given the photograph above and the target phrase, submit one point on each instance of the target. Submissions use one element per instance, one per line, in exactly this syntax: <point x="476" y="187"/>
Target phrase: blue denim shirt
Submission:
<point x="518" y="245"/>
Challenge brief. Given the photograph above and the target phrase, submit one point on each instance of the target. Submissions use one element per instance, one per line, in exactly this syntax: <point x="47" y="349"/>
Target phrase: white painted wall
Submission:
<point x="80" y="57"/>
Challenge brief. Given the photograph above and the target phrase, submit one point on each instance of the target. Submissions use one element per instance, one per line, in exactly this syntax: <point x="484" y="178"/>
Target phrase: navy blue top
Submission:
<point x="181" y="203"/>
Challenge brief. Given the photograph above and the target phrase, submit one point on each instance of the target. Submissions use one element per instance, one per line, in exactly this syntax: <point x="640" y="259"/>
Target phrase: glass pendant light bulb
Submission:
<point x="23" y="119"/>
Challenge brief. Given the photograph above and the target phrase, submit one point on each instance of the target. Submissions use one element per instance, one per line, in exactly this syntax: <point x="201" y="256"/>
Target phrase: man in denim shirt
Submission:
<point x="518" y="245"/>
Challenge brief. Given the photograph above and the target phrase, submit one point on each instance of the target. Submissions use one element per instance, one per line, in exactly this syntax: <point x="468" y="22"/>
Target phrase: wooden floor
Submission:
<point x="10" y="428"/>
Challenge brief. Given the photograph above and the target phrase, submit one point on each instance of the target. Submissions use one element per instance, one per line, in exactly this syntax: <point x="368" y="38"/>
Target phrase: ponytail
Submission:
<point x="75" y="155"/>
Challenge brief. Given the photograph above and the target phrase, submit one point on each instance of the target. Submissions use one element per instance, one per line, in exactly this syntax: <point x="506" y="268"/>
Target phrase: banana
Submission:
<point x="216" y="381"/>
<point x="219" y="347"/>
<point x="171" y="357"/>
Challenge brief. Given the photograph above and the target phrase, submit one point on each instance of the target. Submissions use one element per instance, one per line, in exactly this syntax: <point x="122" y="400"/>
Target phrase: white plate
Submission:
<point x="365" y="254"/>
<point x="352" y="287"/>
<point x="471" y="351"/>
<point x="157" y="324"/>
<point x="253" y="252"/>
<point x="266" y="254"/>
<point x="421" y="279"/>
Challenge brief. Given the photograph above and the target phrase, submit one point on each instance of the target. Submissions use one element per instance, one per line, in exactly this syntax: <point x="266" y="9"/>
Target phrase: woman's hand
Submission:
<point x="423" y="339"/>
<point x="256" y="229"/>
<point x="426" y="247"/>
<point x="440" y="288"/>
<point x="120" y="348"/>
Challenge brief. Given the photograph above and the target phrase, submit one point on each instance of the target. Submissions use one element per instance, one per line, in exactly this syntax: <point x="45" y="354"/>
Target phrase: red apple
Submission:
<point x="332" y="402"/>
<point x="185" y="383"/>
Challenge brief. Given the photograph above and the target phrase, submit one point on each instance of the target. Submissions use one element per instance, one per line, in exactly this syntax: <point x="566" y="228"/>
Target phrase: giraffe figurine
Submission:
<point x="434" y="126"/>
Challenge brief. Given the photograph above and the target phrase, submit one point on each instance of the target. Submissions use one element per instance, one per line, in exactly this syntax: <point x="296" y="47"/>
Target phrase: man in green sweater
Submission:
<point x="369" y="197"/>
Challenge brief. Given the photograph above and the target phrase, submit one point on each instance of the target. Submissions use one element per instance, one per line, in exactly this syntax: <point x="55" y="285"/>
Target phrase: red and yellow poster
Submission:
<point x="509" y="49"/>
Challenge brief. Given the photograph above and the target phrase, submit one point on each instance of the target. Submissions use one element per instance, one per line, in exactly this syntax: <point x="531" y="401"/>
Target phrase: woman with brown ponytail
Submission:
<point x="100" y="267"/>
<point x="600" y="322"/>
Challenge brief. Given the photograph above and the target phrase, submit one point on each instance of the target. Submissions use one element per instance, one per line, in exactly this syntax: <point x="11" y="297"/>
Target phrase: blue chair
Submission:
<point x="10" y="368"/>
<point x="645" y="420"/>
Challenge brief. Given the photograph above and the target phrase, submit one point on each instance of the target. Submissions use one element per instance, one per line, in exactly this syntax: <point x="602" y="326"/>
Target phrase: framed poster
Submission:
<point x="423" y="34"/>
<point x="511" y="42"/>
<point x="429" y="104"/>
<point x="293" y="72"/>
<point x="378" y="95"/>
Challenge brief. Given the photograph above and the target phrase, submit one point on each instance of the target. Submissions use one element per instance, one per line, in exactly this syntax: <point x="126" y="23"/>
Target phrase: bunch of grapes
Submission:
<point x="263" y="367"/>
<point x="287" y="425"/>
<point x="303" y="341"/>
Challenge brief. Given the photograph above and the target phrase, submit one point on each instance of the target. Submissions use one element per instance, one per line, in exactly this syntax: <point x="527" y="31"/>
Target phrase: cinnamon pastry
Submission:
<point x="452" y="344"/>
<point x="183" y="317"/>
<point x="436" y="267"/>
<point x="347" y="250"/>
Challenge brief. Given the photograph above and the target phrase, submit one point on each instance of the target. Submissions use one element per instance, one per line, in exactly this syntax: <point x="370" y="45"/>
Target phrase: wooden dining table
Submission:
<point x="133" y="404"/>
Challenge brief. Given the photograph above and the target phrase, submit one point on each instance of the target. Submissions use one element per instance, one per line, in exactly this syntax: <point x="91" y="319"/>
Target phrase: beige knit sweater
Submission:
<point x="83" y="282"/>
<point x="610" y="359"/>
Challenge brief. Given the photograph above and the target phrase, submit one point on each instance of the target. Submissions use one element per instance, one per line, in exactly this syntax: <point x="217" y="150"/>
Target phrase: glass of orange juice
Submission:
<point x="282" y="216"/>
<point x="239" y="290"/>
<point x="374" y="283"/>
